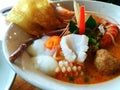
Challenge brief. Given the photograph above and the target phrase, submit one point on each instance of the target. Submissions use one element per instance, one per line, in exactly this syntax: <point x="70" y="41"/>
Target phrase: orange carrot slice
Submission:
<point x="52" y="42"/>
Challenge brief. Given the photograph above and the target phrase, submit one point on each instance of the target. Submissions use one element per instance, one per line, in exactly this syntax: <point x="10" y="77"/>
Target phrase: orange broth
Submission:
<point x="91" y="74"/>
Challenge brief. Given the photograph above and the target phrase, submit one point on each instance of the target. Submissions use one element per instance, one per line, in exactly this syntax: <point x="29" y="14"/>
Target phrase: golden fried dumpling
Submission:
<point x="34" y="16"/>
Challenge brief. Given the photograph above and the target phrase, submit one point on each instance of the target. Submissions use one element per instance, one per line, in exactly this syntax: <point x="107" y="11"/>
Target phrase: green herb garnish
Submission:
<point x="85" y="70"/>
<point x="86" y="79"/>
<point x="91" y="23"/>
<point x="93" y="33"/>
<point x="73" y="28"/>
<point x="97" y="46"/>
<point x="70" y="78"/>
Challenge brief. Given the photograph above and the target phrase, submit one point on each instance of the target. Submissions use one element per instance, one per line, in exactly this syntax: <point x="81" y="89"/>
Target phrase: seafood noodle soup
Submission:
<point x="83" y="49"/>
<point x="80" y="59"/>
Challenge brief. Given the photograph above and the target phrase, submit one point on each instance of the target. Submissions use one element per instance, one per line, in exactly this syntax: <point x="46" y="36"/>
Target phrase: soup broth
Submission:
<point x="89" y="74"/>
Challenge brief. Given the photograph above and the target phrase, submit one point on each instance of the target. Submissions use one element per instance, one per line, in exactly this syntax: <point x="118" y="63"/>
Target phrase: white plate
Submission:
<point x="6" y="73"/>
<point x="15" y="36"/>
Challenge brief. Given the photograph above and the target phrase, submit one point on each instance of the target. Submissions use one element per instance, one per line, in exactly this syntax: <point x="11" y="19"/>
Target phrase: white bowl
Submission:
<point x="15" y="36"/>
<point x="6" y="73"/>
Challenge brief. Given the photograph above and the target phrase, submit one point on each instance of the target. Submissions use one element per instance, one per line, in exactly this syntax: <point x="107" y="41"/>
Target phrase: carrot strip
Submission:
<point x="52" y="42"/>
<point x="82" y="20"/>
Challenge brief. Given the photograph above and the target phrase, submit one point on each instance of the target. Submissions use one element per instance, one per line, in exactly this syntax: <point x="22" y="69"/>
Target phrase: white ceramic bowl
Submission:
<point x="6" y="73"/>
<point x="15" y="36"/>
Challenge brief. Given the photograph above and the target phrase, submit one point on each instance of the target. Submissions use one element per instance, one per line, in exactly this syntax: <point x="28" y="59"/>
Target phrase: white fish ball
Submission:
<point x="45" y="63"/>
<point x="37" y="47"/>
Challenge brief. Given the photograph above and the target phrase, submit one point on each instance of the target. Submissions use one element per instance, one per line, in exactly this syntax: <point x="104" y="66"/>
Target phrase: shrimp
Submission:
<point x="108" y="30"/>
<point x="110" y="34"/>
<point x="64" y="14"/>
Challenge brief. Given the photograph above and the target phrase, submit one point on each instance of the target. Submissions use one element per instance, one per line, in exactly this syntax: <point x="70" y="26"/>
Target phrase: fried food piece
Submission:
<point x="34" y="16"/>
<point x="106" y="63"/>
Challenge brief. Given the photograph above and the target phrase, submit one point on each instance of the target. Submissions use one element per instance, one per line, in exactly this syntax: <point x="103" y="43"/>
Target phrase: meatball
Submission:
<point x="106" y="63"/>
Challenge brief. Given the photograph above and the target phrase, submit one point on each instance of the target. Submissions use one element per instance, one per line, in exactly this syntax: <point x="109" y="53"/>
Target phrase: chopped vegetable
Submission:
<point x="86" y="79"/>
<point x="91" y="23"/>
<point x="97" y="46"/>
<point x="70" y="78"/>
<point x="85" y="70"/>
<point x="77" y="13"/>
<point x="94" y="43"/>
<point x="52" y="42"/>
<point x="73" y="28"/>
<point x="82" y="20"/>
<point x="93" y="33"/>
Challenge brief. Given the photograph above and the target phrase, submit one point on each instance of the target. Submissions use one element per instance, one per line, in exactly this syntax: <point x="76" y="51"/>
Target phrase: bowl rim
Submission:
<point x="61" y="83"/>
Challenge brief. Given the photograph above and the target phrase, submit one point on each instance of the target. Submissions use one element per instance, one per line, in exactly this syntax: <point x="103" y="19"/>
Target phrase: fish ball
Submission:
<point x="45" y="63"/>
<point x="37" y="47"/>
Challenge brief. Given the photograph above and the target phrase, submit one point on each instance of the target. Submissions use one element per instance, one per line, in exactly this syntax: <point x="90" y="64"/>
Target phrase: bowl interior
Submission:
<point x="15" y="36"/>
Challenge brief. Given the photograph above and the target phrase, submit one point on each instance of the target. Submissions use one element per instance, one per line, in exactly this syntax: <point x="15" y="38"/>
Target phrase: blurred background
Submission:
<point x="117" y="2"/>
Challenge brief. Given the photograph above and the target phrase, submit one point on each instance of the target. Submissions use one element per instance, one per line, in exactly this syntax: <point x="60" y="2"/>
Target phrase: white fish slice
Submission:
<point x="65" y="45"/>
<point x="74" y="47"/>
